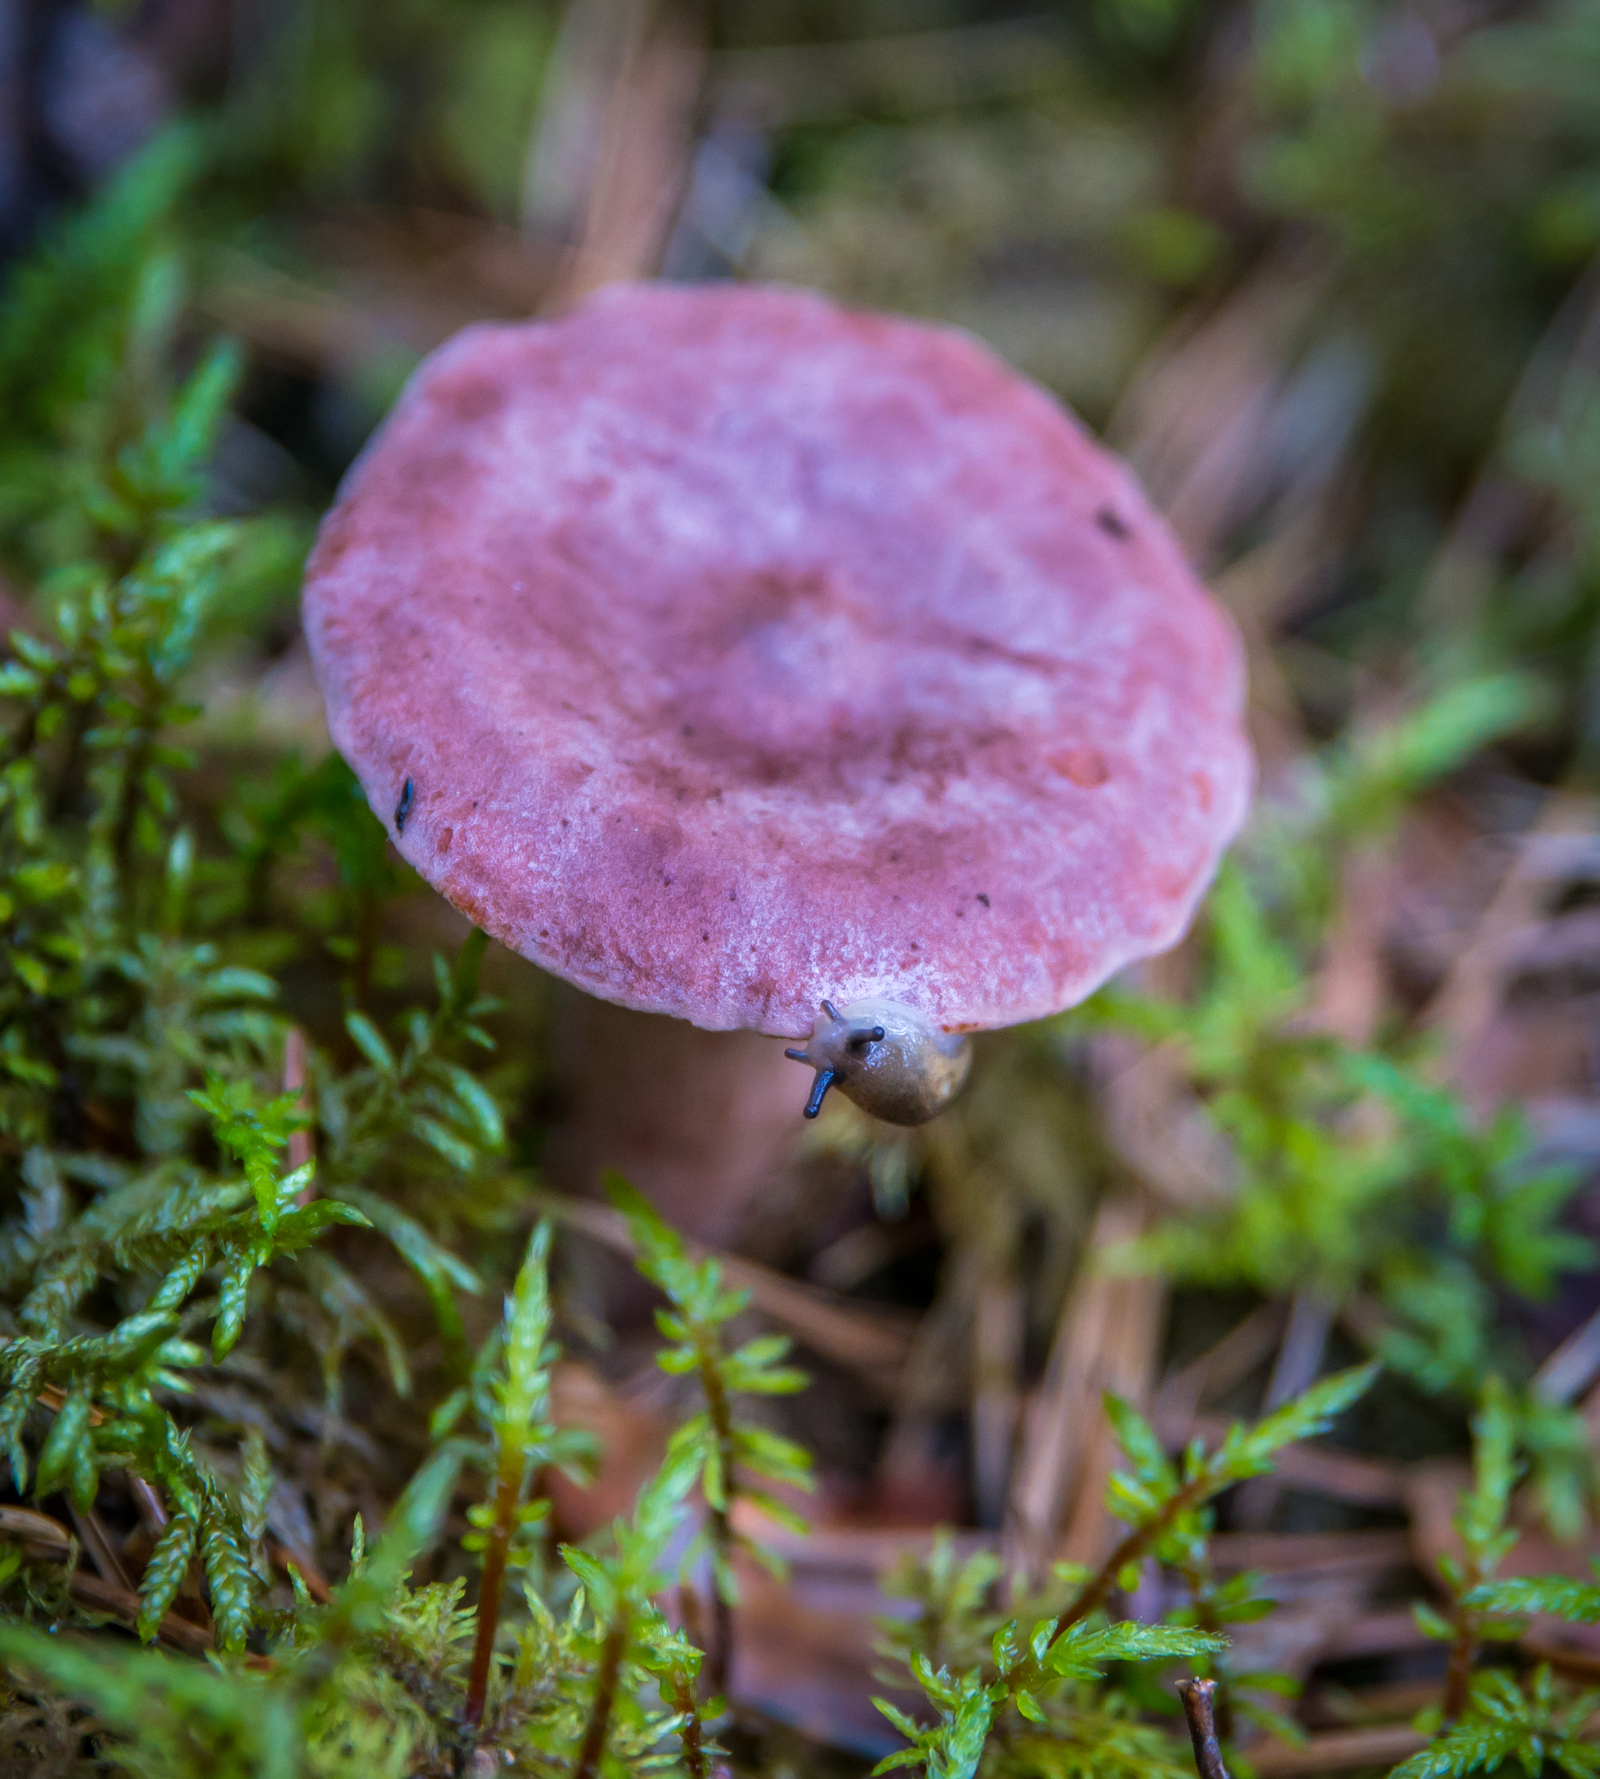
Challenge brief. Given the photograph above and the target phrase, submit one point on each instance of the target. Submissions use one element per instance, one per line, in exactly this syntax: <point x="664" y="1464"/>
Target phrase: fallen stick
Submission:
<point x="100" y="1595"/>
<point x="1199" y="1706"/>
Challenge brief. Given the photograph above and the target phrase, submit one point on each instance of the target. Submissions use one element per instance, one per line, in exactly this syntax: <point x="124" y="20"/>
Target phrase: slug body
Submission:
<point x="886" y="1058"/>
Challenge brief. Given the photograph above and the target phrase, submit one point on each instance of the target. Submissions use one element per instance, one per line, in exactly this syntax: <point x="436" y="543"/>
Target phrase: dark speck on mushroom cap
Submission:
<point x="727" y="637"/>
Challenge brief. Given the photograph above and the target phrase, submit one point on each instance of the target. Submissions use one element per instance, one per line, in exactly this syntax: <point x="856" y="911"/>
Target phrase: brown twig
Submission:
<point x="507" y="1496"/>
<point x="1463" y="1656"/>
<point x="100" y="1595"/>
<point x="1099" y="1587"/>
<point x="1200" y="1580"/>
<point x="719" y="1653"/>
<point x="44" y="1539"/>
<point x="691" y="1737"/>
<point x="1197" y="1696"/>
<point x="1466" y="1625"/>
<point x="598" y="1729"/>
<point x="1133" y="1548"/>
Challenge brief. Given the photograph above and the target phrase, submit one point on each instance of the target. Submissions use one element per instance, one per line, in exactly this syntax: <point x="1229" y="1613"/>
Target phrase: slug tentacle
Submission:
<point x="819" y="1092"/>
<point x="885" y="1057"/>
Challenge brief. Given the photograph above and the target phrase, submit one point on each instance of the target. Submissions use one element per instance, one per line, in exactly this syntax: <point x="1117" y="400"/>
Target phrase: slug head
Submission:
<point x="886" y="1058"/>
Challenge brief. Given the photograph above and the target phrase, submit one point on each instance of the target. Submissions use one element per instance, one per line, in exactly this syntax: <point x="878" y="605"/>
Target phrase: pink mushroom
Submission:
<point x="731" y="654"/>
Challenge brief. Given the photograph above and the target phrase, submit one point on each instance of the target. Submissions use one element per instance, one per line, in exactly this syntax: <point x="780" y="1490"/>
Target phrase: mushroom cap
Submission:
<point x="721" y="649"/>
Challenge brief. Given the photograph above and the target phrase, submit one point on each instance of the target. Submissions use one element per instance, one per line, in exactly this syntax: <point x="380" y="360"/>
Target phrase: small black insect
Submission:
<point x="402" y="809"/>
<point x="1113" y="524"/>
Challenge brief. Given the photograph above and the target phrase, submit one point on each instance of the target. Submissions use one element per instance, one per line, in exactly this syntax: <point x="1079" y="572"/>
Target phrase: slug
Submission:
<point x="886" y="1058"/>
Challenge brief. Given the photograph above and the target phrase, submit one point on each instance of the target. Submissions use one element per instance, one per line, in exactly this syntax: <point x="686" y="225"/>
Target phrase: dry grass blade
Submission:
<point x="1305" y="1340"/>
<point x="1156" y="1124"/>
<point x="1338" y="1751"/>
<point x="861" y="1553"/>
<point x="872" y="1343"/>
<point x="1126" y="1368"/>
<point x="639" y="159"/>
<point x="998" y="1330"/>
<point x="1464" y="1007"/>
<point x="1571" y="1368"/>
<point x="39" y="1535"/>
<point x="1345" y="1476"/>
<point x="1105" y="1340"/>
<point x="1310" y="1555"/>
<point x="911" y="1476"/>
<point x="1353" y="983"/>
<point x="1501" y="504"/>
<point x="285" y="318"/>
<point x="1220" y="1367"/>
<point x="96" y="1540"/>
<point x="1203" y="417"/>
<point x="1391" y="1631"/>
<point x="595" y="42"/>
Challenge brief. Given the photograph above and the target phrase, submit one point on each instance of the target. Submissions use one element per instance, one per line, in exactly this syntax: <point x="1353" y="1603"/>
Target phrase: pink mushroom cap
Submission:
<point x="721" y="649"/>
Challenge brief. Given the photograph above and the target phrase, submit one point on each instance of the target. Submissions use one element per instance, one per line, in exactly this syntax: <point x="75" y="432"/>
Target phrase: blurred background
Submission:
<point x="1326" y="271"/>
<point x="1319" y="266"/>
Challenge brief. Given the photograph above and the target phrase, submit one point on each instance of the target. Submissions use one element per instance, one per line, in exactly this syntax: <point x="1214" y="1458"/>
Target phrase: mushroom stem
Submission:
<point x="699" y="1121"/>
